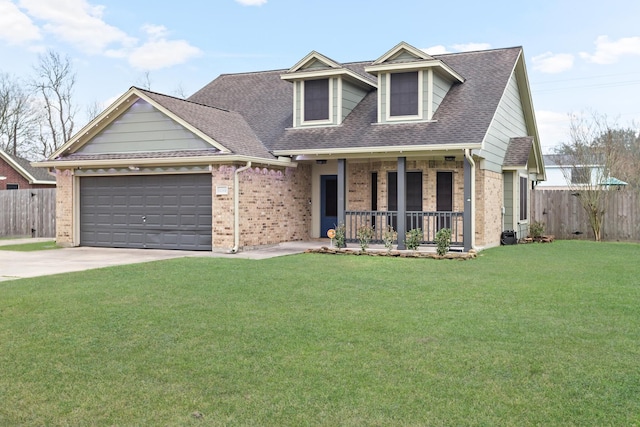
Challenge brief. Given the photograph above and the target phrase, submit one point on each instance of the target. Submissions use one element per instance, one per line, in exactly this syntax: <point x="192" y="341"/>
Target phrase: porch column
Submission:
<point x="468" y="206"/>
<point x="342" y="180"/>
<point x="402" y="202"/>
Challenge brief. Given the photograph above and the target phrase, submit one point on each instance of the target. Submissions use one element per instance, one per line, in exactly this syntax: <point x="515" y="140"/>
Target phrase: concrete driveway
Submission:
<point x="18" y="265"/>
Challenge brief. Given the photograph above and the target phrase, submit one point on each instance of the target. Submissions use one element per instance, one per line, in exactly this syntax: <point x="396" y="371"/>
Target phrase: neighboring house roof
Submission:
<point x="614" y="181"/>
<point x="518" y="152"/>
<point x="24" y="168"/>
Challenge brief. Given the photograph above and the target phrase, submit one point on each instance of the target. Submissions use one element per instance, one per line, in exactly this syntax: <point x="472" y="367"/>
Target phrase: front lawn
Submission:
<point x="522" y="335"/>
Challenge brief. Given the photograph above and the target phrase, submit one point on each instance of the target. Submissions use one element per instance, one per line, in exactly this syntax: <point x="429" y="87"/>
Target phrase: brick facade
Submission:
<point x="274" y="206"/>
<point x="14" y="177"/>
<point x="489" y="201"/>
<point x="64" y="208"/>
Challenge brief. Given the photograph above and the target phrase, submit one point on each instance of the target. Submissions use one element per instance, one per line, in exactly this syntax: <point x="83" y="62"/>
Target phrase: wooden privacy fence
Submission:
<point x="563" y="216"/>
<point x="28" y="212"/>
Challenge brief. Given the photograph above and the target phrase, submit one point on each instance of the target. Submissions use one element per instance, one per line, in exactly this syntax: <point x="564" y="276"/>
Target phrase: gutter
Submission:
<point x="467" y="155"/>
<point x="236" y="207"/>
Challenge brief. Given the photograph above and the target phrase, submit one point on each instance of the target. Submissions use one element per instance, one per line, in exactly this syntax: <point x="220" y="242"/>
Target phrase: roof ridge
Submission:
<point x="183" y="100"/>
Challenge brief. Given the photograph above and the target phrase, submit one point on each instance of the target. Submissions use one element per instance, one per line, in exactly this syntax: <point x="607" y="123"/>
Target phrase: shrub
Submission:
<point x="364" y="234"/>
<point x="413" y="238"/>
<point x="536" y="229"/>
<point x="443" y="241"/>
<point x="388" y="237"/>
<point x="341" y="236"/>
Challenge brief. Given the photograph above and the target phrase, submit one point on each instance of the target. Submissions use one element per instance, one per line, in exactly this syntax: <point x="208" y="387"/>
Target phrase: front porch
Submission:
<point x="428" y="193"/>
<point x="428" y="222"/>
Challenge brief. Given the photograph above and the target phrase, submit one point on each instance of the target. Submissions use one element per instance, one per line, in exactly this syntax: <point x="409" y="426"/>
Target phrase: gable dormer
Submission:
<point x="324" y="91"/>
<point x="411" y="84"/>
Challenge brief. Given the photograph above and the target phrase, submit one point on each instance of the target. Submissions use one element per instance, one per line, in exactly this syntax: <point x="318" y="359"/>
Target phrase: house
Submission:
<point x="17" y="173"/>
<point x="564" y="173"/>
<point x="408" y="140"/>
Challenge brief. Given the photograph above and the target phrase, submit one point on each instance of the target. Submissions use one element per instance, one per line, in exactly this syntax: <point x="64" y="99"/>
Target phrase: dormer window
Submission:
<point x="404" y="94"/>
<point x="316" y="100"/>
<point x="411" y="84"/>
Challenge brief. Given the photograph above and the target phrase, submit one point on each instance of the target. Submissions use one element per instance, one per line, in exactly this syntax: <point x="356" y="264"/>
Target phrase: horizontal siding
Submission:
<point x="440" y="88"/>
<point x="143" y="128"/>
<point x="351" y="96"/>
<point x="508" y="122"/>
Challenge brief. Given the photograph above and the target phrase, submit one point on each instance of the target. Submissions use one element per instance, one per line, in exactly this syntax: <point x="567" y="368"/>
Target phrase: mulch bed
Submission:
<point x="541" y="239"/>
<point x="398" y="254"/>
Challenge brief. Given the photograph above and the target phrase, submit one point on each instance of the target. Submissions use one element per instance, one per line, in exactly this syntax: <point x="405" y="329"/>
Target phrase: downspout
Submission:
<point x="236" y="207"/>
<point x="467" y="154"/>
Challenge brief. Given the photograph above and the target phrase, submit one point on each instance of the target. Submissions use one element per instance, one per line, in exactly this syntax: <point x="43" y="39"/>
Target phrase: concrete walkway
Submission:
<point x="18" y="265"/>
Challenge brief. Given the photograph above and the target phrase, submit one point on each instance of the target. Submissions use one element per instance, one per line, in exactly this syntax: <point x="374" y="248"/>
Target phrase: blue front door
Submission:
<point x="328" y="203"/>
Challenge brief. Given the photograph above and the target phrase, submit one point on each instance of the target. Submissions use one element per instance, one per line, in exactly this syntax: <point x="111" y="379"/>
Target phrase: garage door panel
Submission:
<point x="176" y="211"/>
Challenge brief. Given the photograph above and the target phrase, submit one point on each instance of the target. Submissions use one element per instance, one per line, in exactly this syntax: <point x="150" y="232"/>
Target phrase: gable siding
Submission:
<point x="508" y="122"/>
<point x="143" y="128"/>
<point x="351" y="96"/>
<point x="440" y="88"/>
<point x="315" y="65"/>
<point x="404" y="56"/>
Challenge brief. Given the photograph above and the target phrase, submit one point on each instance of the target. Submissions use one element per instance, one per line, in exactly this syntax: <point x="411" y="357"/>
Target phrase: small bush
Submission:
<point x="341" y="236"/>
<point x="413" y="238"/>
<point x="443" y="241"/>
<point x="364" y="234"/>
<point x="388" y="237"/>
<point x="536" y="229"/>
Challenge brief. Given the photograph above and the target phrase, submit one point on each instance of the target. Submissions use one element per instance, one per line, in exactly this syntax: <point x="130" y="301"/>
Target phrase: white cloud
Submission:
<point x="251" y="2"/>
<point x="608" y="52"/>
<point x="470" y="47"/>
<point x="78" y="23"/>
<point x="81" y="24"/>
<point x="461" y="47"/>
<point x="553" y="128"/>
<point x="15" y="26"/>
<point x="436" y="50"/>
<point x="157" y="52"/>
<point x="161" y="53"/>
<point x="553" y="63"/>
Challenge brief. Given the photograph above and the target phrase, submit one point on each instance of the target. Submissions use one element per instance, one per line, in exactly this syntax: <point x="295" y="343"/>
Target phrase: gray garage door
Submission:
<point x="155" y="212"/>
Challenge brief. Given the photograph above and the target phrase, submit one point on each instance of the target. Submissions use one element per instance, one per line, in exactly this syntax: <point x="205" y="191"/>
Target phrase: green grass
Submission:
<point x="30" y="247"/>
<point x="523" y="335"/>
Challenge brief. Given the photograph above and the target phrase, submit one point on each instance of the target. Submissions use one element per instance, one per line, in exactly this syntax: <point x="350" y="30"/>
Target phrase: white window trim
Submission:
<point x="419" y="116"/>
<point x="329" y="121"/>
<point x="519" y="214"/>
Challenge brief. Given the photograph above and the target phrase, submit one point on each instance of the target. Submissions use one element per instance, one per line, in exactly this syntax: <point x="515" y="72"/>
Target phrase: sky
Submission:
<point x="582" y="57"/>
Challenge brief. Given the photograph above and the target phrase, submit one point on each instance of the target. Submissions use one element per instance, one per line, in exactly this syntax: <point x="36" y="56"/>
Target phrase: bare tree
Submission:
<point x="18" y="119"/>
<point x="588" y="159"/>
<point x="54" y="84"/>
<point x="145" y="81"/>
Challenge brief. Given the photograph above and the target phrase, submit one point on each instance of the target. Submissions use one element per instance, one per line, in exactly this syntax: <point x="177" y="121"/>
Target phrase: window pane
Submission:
<point x="404" y="94"/>
<point x="523" y="199"/>
<point x="316" y="99"/>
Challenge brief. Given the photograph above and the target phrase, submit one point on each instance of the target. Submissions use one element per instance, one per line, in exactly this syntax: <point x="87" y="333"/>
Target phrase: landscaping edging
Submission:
<point x="463" y="256"/>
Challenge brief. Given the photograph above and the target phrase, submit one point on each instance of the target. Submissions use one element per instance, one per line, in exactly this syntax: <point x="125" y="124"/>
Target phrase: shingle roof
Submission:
<point x="34" y="174"/>
<point x="266" y="103"/>
<point x="518" y="151"/>
<point x="226" y="127"/>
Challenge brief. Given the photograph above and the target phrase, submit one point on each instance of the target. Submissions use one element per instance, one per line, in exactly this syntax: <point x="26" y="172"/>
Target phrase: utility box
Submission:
<point x="508" y="237"/>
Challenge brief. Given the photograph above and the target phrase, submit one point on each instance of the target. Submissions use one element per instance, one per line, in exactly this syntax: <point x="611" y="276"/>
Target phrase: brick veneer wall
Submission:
<point x="64" y="208"/>
<point x="14" y="177"/>
<point x="489" y="200"/>
<point x="359" y="182"/>
<point x="274" y="206"/>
